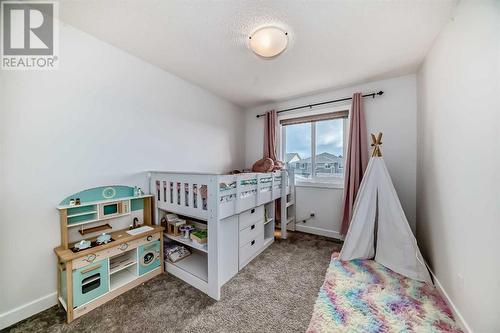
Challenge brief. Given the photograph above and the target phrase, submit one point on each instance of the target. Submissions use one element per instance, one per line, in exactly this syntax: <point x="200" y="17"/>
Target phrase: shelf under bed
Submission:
<point x="192" y="269"/>
<point x="188" y="242"/>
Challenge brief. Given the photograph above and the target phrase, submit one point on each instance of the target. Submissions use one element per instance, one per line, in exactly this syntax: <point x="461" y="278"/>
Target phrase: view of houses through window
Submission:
<point x="315" y="150"/>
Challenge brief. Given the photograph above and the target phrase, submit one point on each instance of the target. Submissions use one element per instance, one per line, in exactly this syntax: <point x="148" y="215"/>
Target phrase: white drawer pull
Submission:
<point x="123" y="247"/>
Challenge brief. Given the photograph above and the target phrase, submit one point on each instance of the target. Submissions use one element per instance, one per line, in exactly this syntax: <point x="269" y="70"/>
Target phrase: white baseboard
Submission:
<point x="27" y="310"/>
<point x="456" y="313"/>
<point x="317" y="231"/>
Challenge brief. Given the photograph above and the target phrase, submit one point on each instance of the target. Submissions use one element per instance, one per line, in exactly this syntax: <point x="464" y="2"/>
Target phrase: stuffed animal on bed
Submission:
<point x="263" y="165"/>
<point x="278" y="165"/>
<point x="266" y="164"/>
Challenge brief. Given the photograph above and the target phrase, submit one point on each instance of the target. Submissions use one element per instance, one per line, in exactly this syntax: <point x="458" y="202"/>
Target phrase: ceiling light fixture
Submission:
<point x="268" y="42"/>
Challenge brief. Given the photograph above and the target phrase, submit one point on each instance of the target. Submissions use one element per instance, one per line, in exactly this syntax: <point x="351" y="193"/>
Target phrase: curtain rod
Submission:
<point x="380" y="93"/>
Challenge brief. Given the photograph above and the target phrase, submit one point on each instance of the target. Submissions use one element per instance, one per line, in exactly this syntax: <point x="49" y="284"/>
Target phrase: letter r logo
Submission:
<point x="27" y="28"/>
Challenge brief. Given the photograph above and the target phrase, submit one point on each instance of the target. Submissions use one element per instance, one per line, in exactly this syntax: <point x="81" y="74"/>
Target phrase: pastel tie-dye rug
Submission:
<point x="364" y="296"/>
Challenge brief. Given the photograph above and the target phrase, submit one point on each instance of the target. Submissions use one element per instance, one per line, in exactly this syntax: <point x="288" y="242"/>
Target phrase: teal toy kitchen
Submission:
<point x="109" y="245"/>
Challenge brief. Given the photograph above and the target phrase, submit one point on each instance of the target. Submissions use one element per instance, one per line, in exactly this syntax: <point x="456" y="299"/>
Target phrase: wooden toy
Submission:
<point x="163" y="223"/>
<point x="96" y="269"/>
<point x="173" y="227"/>
<point x="200" y="236"/>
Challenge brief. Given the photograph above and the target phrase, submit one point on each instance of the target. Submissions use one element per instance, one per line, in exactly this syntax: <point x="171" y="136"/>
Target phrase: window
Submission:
<point x="329" y="147"/>
<point x="316" y="144"/>
<point x="298" y="147"/>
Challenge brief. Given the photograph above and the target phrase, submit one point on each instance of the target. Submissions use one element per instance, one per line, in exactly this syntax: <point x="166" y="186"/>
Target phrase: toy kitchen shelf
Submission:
<point x="88" y="278"/>
<point x="95" y="211"/>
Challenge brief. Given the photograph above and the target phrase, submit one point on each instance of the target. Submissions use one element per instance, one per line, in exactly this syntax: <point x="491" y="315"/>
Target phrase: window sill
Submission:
<point x="317" y="184"/>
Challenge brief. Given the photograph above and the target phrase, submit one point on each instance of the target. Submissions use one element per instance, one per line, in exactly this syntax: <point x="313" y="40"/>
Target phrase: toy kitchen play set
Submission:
<point x="108" y="246"/>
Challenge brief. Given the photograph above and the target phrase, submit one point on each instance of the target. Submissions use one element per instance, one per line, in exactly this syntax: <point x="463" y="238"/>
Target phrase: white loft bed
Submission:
<point x="239" y="211"/>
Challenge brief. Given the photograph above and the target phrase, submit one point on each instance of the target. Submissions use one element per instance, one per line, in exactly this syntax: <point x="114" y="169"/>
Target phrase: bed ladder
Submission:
<point x="287" y="221"/>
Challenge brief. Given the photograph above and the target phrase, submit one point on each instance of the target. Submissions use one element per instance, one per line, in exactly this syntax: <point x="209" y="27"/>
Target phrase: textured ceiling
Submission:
<point x="332" y="43"/>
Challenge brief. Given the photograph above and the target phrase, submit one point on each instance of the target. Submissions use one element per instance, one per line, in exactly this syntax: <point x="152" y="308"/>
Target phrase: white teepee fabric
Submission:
<point x="379" y="228"/>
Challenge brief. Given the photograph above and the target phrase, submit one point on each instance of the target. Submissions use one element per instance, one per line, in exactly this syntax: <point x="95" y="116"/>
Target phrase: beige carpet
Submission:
<point x="274" y="293"/>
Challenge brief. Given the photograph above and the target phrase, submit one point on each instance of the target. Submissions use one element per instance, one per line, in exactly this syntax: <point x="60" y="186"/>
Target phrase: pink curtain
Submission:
<point x="270" y="135"/>
<point x="356" y="160"/>
<point x="270" y="149"/>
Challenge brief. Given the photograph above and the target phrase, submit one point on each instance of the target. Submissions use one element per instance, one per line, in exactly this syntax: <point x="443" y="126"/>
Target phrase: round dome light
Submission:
<point x="268" y="42"/>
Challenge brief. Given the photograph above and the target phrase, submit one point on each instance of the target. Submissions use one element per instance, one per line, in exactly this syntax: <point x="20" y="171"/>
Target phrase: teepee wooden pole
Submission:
<point x="376" y="143"/>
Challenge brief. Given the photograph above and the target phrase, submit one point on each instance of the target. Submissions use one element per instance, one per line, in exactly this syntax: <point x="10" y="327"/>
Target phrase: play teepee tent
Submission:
<point x="379" y="229"/>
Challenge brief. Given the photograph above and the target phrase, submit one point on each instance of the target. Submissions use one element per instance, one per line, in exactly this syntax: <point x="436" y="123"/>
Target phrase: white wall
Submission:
<point x="325" y="203"/>
<point x="394" y="114"/>
<point x="459" y="162"/>
<point x="103" y="118"/>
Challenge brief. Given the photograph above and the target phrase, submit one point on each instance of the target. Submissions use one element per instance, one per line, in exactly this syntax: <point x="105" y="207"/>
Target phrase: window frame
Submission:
<point x="313" y="181"/>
